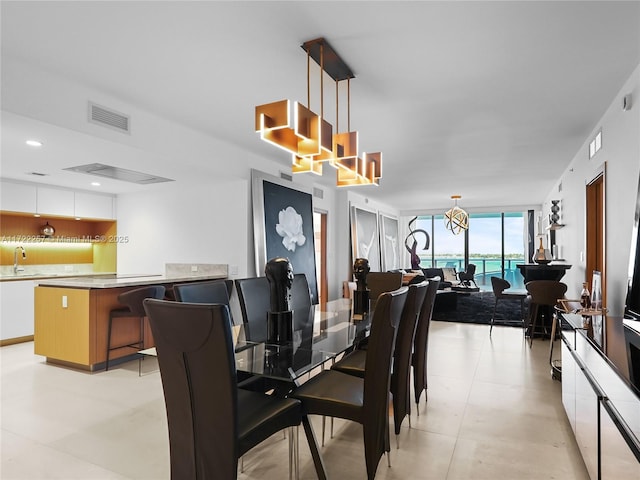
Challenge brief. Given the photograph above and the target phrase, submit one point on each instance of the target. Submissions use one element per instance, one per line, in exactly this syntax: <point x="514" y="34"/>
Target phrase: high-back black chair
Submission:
<point x="401" y="372"/>
<point x="366" y="401"/>
<point x="300" y="293"/>
<point x="213" y="291"/>
<point x="254" y="298"/>
<point x="421" y="342"/>
<point x="501" y="292"/>
<point x="467" y="277"/>
<point x="545" y="294"/>
<point x="211" y="422"/>
<point x="355" y="362"/>
<point x="380" y="282"/>
<point x="131" y="302"/>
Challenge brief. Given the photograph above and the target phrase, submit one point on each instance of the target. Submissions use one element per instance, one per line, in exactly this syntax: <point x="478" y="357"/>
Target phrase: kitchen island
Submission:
<point x="72" y="315"/>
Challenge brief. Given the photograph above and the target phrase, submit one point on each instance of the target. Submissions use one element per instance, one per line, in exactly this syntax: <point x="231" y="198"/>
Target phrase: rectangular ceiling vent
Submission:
<point x="286" y="176"/>
<point x="318" y="192"/>
<point x="109" y="118"/>
<point x="117" y="173"/>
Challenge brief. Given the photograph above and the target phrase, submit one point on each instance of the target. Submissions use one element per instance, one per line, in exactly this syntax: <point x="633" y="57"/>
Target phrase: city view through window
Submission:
<point x="496" y="243"/>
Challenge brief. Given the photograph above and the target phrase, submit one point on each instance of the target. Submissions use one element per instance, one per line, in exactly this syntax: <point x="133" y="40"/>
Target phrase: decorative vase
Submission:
<point x="542" y="255"/>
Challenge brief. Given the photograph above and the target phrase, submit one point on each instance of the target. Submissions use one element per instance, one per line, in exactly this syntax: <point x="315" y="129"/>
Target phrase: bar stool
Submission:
<point x="501" y="292"/>
<point x="544" y="293"/>
<point x="133" y="308"/>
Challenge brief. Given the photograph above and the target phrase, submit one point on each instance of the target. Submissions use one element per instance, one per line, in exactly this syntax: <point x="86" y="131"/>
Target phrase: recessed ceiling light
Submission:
<point x="95" y="184"/>
<point x="34" y="143"/>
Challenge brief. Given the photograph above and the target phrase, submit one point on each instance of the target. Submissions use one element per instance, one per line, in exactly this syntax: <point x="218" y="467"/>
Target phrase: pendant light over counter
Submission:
<point x="310" y="138"/>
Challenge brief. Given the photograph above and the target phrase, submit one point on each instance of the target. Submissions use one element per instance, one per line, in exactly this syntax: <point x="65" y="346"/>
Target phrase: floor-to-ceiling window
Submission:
<point x="496" y="243"/>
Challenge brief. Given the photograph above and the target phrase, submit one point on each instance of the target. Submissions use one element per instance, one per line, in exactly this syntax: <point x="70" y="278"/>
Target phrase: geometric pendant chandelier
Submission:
<point x="456" y="219"/>
<point x="309" y="137"/>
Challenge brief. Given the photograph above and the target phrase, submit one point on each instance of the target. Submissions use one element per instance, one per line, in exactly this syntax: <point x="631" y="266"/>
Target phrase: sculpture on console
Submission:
<point x="279" y="272"/>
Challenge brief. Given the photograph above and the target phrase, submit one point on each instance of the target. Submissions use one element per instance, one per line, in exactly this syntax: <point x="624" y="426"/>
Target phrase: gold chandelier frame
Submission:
<point x="310" y="138"/>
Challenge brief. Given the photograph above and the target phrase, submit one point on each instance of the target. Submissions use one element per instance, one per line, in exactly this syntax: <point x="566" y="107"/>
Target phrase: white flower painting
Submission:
<point x="289" y="227"/>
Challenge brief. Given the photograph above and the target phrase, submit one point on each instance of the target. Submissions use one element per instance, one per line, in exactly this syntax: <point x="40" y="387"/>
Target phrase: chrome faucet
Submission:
<point x="16" y="268"/>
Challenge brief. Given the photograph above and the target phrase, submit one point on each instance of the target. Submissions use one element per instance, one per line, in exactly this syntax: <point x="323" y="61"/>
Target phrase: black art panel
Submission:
<point x="288" y="228"/>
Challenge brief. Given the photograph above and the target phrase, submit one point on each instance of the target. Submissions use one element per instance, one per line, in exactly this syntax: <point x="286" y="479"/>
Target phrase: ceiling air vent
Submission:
<point x="117" y="173"/>
<point x="109" y="118"/>
<point x="286" y="176"/>
<point x="318" y="192"/>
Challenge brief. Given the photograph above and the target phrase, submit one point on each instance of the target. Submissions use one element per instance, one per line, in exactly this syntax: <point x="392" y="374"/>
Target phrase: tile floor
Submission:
<point x="493" y="413"/>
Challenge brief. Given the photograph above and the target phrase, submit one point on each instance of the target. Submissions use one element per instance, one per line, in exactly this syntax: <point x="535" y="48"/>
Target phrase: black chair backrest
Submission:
<point x="499" y="285"/>
<point x="300" y="293"/>
<point x="254" y="295"/>
<point x="214" y="291"/>
<point x="197" y="366"/>
<point x="378" y="372"/>
<point x="380" y="282"/>
<point x="402" y="353"/>
<point x="546" y="292"/>
<point x="468" y="274"/>
<point x="421" y="341"/>
<point x="134" y="298"/>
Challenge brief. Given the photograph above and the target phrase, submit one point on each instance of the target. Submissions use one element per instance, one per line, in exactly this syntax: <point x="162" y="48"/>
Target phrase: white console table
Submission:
<point x="602" y="406"/>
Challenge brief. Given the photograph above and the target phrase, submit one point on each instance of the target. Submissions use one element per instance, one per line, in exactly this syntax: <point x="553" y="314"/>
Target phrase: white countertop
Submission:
<point x="128" y="280"/>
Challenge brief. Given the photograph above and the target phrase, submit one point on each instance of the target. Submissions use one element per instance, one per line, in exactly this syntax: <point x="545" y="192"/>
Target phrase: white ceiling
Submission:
<point x="489" y="100"/>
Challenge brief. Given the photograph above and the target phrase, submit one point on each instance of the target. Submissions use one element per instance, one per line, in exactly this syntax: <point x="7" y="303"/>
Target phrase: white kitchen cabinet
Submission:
<point x="89" y="205"/>
<point x="53" y="201"/>
<point x="16" y="309"/>
<point x="17" y="197"/>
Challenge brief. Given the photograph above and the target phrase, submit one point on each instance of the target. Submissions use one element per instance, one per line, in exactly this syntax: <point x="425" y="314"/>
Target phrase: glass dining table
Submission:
<point x="320" y="334"/>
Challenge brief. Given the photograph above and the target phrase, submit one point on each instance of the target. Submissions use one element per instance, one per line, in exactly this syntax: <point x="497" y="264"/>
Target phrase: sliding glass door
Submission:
<point x="495" y="243"/>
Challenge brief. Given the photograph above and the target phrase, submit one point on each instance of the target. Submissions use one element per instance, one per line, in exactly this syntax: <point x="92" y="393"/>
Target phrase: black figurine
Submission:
<point x="279" y="272"/>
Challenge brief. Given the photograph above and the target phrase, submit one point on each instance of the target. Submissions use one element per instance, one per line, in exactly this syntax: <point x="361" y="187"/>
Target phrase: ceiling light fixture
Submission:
<point x="310" y="138"/>
<point x="95" y="184"/>
<point x="34" y="143"/>
<point x="456" y="219"/>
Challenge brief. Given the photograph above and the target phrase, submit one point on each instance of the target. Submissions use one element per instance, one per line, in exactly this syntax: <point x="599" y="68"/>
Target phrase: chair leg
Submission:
<point x="108" y="341"/>
<point x="533" y="322"/>
<point x="293" y="453"/>
<point x="324" y="419"/>
<point x="493" y="317"/>
<point x="524" y="327"/>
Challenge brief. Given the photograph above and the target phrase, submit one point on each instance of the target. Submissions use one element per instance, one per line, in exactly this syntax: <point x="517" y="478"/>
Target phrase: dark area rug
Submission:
<point x="478" y="308"/>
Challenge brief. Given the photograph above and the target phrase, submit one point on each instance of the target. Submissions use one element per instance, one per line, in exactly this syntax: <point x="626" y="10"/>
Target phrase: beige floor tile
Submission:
<point x="492" y="412"/>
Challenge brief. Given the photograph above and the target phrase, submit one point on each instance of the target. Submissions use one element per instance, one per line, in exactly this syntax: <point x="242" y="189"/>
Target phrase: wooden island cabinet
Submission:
<point x="72" y="317"/>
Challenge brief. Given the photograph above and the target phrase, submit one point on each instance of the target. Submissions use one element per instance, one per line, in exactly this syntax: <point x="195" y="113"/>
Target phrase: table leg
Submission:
<point x="313" y="446"/>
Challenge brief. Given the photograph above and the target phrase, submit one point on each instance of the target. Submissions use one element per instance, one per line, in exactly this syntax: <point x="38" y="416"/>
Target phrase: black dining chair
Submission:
<point x="421" y="343"/>
<point x="300" y="293"/>
<point x="254" y="298"/>
<point x="354" y="363"/>
<point x="363" y="400"/>
<point x="380" y="282"/>
<point x="501" y="292"/>
<point x="209" y="291"/>
<point x="131" y="302"/>
<point x="544" y="294"/>
<point x="211" y="422"/>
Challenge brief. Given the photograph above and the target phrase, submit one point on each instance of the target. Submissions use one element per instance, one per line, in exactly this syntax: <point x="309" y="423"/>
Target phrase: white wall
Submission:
<point x="621" y="154"/>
